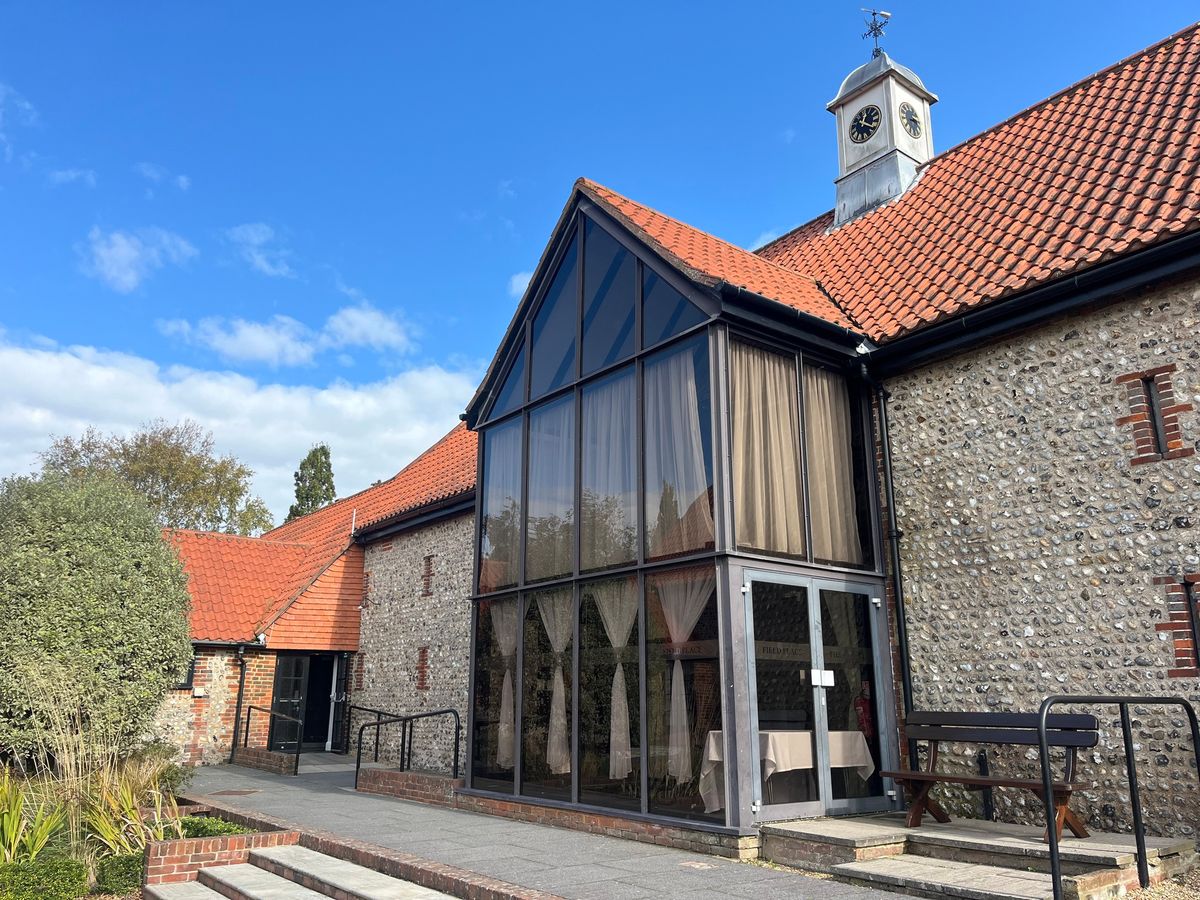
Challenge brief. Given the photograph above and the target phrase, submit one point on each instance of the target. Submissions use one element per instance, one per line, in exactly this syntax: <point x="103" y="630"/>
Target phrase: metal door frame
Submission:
<point x="883" y="696"/>
<point x="273" y="740"/>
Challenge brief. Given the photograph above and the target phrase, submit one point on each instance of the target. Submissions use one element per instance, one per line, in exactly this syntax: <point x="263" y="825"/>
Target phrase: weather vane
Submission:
<point x="875" y="27"/>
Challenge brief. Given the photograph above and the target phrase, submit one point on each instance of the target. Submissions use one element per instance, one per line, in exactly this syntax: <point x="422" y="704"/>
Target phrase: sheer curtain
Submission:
<point x="683" y="597"/>
<point x="832" y="505"/>
<point x="504" y="623"/>
<point x="766" y="450"/>
<point x="557" y="611"/>
<point x="551" y="499"/>
<point x="501" y="506"/>
<point x="677" y="478"/>
<point x="617" y="602"/>
<point x="609" y="479"/>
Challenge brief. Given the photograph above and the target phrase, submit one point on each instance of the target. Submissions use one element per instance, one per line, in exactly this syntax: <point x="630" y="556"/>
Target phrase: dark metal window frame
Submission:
<point x="1155" y="407"/>
<point x="189" y="680"/>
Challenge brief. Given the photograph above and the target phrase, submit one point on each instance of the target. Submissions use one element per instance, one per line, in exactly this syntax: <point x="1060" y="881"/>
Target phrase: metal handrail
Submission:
<point x="1135" y="798"/>
<point x="406" y="738"/>
<point x="379" y="716"/>
<point x="277" y="715"/>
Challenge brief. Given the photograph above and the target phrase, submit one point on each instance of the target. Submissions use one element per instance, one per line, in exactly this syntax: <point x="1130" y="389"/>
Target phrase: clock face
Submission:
<point x="910" y="120"/>
<point x="865" y="123"/>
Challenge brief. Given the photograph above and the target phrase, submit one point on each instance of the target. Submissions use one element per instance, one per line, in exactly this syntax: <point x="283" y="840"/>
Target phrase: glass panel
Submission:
<point x="500" y="523"/>
<point x="678" y="451"/>
<point x="783" y="683"/>
<point x="609" y="746"/>
<point x="765" y="408"/>
<point x="850" y="704"/>
<point x="512" y="394"/>
<point x="683" y="690"/>
<point x="665" y="311"/>
<point x="608" y="514"/>
<point x="838" y="491"/>
<point x="493" y="750"/>
<point x="549" y="543"/>
<point x="290" y="676"/>
<point x="546" y="694"/>
<point x="554" y="326"/>
<point x="609" y="271"/>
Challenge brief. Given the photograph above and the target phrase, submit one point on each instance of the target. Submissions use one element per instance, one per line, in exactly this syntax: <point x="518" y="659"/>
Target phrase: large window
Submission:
<point x="546" y="705"/>
<point x="500" y="516"/>
<point x="608" y="501"/>
<point x="494" y="713"/>
<point x="549" y="539"/>
<point x="678" y="413"/>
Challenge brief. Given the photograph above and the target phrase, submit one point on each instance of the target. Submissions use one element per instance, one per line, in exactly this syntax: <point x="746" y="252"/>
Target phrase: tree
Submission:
<point x="175" y="469"/>
<point x="91" y="595"/>
<point x="314" y="483"/>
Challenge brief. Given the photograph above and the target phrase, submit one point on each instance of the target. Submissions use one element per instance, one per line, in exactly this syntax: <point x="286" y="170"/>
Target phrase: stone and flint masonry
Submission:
<point x="718" y="520"/>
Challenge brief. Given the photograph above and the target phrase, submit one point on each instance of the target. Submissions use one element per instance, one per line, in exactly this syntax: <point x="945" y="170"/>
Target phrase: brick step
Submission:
<point x="922" y="876"/>
<point x="183" y="890"/>
<point x="337" y="877"/>
<point x="244" y="881"/>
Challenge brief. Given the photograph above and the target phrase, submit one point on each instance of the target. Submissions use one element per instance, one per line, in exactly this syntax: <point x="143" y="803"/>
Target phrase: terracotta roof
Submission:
<point x="1106" y="167"/>
<point x="710" y="260"/>
<point x="237" y="583"/>
<point x="240" y="586"/>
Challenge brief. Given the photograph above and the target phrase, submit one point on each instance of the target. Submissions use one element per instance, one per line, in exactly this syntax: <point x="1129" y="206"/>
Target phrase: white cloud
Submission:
<point x="256" y="244"/>
<point x="69" y="176"/>
<point x="505" y="189"/>
<point x="788" y="135"/>
<point x="373" y="429"/>
<point x="518" y="282"/>
<point x="14" y="110"/>
<point x="280" y="341"/>
<point x="764" y="238"/>
<point x="366" y="326"/>
<point x="284" y="341"/>
<point x="156" y="174"/>
<point x="124" y="259"/>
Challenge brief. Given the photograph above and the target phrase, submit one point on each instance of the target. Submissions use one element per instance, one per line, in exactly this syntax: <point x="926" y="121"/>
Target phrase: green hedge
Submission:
<point x="210" y="826"/>
<point x="46" y="878"/>
<point x="120" y="874"/>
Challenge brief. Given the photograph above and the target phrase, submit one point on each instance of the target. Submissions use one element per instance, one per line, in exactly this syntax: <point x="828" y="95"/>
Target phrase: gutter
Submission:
<point x="998" y="319"/>
<point x="237" y="716"/>
<point x="807" y="321"/>
<point x="459" y="504"/>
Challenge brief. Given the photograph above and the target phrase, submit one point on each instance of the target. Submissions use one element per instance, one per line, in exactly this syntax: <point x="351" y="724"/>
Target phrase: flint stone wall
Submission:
<point x="416" y="637"/>
<point x="1031" y="544"/>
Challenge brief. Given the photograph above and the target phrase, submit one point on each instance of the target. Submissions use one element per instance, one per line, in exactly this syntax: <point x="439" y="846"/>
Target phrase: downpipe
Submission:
<point x="237" y="718"/>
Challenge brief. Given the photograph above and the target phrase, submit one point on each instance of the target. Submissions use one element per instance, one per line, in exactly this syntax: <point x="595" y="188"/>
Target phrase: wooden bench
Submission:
<point x="1069" y="731"/>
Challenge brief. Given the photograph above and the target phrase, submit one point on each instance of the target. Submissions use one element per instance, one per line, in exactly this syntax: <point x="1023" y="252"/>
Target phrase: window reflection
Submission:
<point x="512" y="393"/>
<point x="500" y="517"/>
<point x="665" y="311"/>
<point x="609" y="707"/>
<point x="549" y="542"/>
<point x="553" y="333"/>
<point x="678" y="444"/>
<point x="493" y="716"/>
<point x="683" y="691"/>
<point x="546" y="694"/>
<point x="609" y="271"/>
<point x="608" y="513"/>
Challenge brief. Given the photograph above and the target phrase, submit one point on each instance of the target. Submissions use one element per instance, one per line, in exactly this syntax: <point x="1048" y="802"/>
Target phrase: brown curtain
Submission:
<point x="766" y="450"/>
<point x="832" y="509"/>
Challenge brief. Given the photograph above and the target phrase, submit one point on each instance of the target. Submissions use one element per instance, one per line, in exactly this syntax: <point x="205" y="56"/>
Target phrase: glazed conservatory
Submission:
<point x="678" y="608"/>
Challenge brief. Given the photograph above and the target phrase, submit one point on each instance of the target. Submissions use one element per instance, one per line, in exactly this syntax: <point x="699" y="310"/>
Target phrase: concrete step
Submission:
<point x="337" y="877"/>
<point x="184" y="890"/>
<point x="926" y="877"/>
<point x="244" y="881"/>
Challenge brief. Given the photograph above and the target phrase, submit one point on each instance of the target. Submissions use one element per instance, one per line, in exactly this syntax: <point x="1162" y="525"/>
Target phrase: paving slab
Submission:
<point x="571" y="864"/>
<point x="340" y="877"/>
<point x="968" y="881"/>
<point x="183" y="890"/>
<point x="245" y="880"/>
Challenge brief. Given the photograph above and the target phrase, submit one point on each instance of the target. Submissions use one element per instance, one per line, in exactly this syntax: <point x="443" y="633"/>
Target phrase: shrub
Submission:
<point x="46" y="878"/>
<point x="25" y="829"/>
<point x="210" y="826"/>
<point x="119" y="874"/>
<point x="93" y="618"/>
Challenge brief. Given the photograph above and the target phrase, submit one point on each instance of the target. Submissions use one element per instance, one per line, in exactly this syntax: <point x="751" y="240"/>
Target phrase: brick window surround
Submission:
<point x="1154" y="415"/>
<point x="427" y="577"/>
<point x="1183" y="623"/>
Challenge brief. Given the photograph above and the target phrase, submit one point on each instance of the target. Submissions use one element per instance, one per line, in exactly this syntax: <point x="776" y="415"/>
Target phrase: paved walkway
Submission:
<point x="571" y="864"/>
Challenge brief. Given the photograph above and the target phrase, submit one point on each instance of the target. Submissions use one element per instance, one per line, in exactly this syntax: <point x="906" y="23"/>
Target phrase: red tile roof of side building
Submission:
<point x="1106" y="167"/>
<point x="241" y="586"/>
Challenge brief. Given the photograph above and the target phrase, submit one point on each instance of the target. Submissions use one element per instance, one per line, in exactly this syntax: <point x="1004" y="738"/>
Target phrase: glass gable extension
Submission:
<point x="607" y="602"/>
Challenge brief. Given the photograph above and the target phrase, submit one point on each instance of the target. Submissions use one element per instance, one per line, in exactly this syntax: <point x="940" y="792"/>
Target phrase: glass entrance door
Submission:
<point x="291" y="681"/>
<point x="817" y="699"/>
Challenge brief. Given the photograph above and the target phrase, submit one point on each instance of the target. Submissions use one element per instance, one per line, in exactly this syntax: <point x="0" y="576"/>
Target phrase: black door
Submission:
<point x="341" y="719"/>
<point x="291" y="681"/>
<point x="318" y="698"/>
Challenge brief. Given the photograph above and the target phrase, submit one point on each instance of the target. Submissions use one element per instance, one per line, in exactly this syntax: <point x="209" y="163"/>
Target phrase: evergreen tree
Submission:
<point x="314" y="483"/>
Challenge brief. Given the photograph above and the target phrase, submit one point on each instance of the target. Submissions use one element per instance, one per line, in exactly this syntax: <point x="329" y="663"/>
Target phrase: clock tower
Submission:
<point x="884" y="137"/>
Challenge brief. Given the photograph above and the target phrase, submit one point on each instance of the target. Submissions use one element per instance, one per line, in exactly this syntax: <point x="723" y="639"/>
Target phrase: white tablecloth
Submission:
<point x="782" y="751"/>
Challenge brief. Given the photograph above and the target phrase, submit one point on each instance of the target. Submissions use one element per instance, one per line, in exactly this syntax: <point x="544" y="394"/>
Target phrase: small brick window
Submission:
<point x="1154" y="415"/>
<point x="1183" y="624"/>
<point x="423" y="669"/>
<point x="427" y="577"/>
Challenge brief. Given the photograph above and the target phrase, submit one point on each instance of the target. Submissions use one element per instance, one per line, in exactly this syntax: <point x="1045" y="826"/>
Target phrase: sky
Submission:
<point x="300" y="223"/>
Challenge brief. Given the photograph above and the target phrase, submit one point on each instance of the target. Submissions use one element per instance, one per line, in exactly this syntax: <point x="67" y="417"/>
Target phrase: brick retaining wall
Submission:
<point x="265" y="760"/>
<point x="168" y="862"/>
<point x="423" y="787"/>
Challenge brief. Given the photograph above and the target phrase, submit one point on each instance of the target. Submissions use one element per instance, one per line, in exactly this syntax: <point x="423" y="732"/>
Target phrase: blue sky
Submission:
<point x="303" y="222"/>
